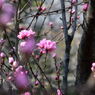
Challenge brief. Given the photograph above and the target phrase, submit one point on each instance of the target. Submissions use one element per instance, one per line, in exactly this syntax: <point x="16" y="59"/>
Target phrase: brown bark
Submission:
<point x="86" y="52"/>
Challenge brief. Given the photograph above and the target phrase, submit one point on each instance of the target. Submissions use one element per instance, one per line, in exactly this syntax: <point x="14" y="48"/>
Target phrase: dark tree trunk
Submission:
<point x="86" y="52"/>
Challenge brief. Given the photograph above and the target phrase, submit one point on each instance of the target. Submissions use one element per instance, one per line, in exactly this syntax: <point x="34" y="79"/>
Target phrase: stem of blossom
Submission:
<point x="10" y="43"/>
<point x="50" y="12"/>
<point x="45" y="17"/>
<point x="43" y="73"/>
<point x="57" y="72"/>
<point x="35" y="16"/>
<point x="7" y="67"/>
<point x="36" y="77"/>
<point x="21" y="10"/>
<point x="17" y="25"/>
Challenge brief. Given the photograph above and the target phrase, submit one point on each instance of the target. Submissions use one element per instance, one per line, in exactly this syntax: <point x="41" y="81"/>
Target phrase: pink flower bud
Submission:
<point x="59" y="92"/>
<point x="50" y="24"/>
<point x="73" y="1"/>
<point x="62" y="27"/>
<point x="72" y="11"/>
<point x="36" y="83"/>
<point x="10" y="78"/>
<point x="93" y="67"/>
<point x="20" y="68"/>
<point x="85" y="7"/>
<point x="78" y="17"/>
<point x="43" y="8"/>
<point x="2" y="55"/>
<point x="53" y="55"/>
<point x="11" y="60"/>
<point x="26" y="72"/>
<point x="15" y="64"/>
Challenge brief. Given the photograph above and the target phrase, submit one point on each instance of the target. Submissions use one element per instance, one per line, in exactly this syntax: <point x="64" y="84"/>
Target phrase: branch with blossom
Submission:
<point x="27" y="55"/>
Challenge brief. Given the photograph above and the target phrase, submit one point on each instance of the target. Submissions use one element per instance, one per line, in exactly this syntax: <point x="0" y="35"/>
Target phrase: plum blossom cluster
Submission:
<point x="27" y="44"/>
<point x="26" y="47"/>
<point x="13" y="62"/>
<point x="46" y="46"/>
<point x="7" y="11"/>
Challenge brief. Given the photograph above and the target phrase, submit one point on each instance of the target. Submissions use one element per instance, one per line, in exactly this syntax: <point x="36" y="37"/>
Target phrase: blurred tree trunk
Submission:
<point x="86" y="52"/>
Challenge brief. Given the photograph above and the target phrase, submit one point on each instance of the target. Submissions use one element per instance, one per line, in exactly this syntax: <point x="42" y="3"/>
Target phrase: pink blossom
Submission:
<point x="21" y="78"/>
<point x="25" y="34"/>
<point x="46" y="46"/>
<point x="85" y="7"/>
